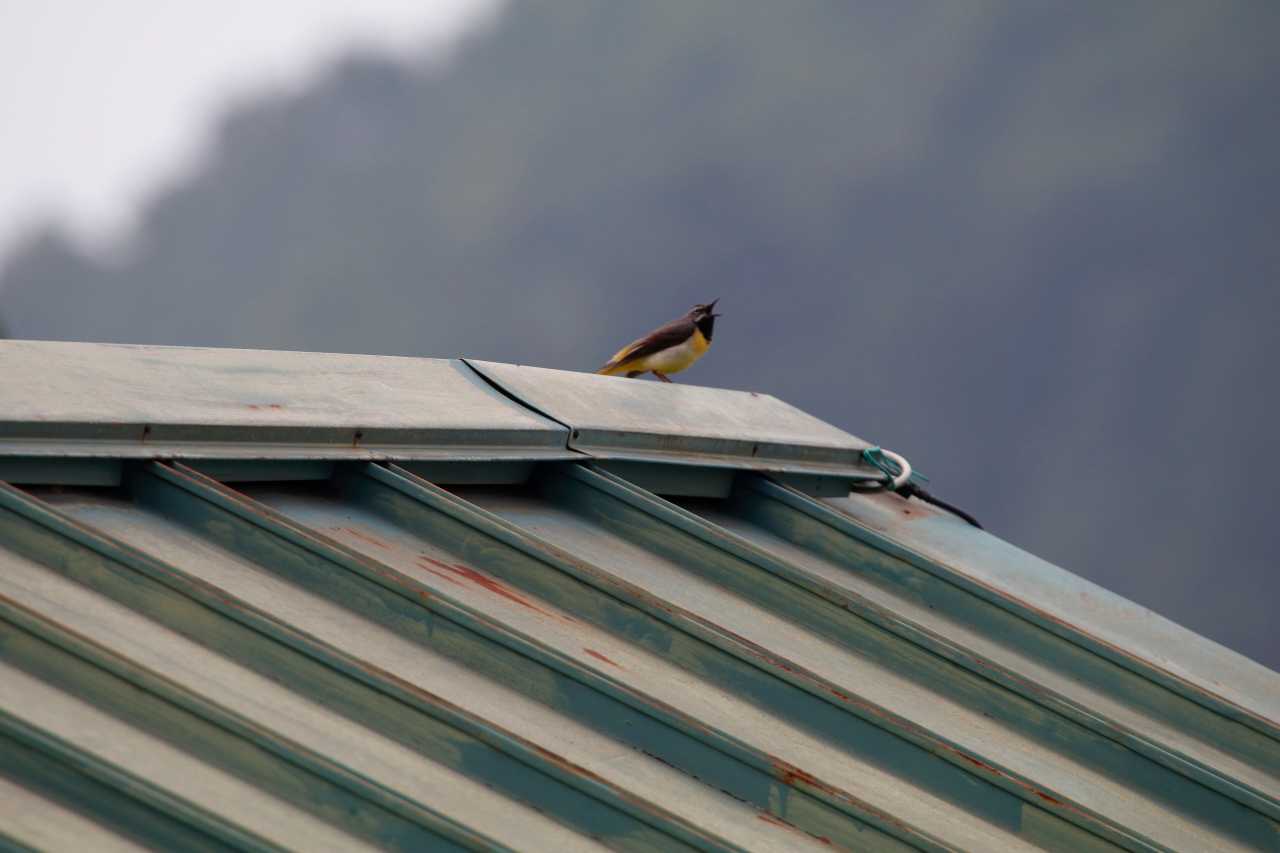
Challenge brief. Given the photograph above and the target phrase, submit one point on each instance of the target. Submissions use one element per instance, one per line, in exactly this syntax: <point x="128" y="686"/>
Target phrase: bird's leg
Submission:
<point x="662" y="376"/>
<point x="632" y="374"/>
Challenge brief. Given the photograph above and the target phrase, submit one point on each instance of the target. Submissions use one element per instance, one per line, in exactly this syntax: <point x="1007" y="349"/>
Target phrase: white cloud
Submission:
<point x="100" y="101"/>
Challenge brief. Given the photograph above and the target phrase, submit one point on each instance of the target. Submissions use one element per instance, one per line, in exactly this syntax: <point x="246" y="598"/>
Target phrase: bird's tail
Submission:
<point x="611" y="369"/>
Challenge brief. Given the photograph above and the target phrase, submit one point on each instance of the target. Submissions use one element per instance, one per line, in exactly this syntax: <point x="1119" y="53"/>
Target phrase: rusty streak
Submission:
<point x="595" y="654"/>
<point x="365" y="537"/>
<point x="486" y="582"/>
<point x="424" y="562"/>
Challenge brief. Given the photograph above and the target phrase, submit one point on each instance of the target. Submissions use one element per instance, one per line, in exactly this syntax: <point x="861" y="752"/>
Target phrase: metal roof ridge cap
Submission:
<point x="53" y="449"/>
<point x="511" y="395"/>
<point x="479" y="365"/>
<point x="139" y="394"/>
<point x="834" y="452"/>
<point x="741" y="453"/>
<point x="1195" y="687"/>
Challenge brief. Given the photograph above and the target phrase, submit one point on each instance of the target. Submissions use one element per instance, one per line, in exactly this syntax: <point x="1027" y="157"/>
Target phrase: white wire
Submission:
<point x="901" y="461"/>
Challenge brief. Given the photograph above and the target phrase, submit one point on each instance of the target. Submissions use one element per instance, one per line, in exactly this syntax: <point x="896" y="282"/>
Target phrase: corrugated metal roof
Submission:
<point x="259" y="642"/>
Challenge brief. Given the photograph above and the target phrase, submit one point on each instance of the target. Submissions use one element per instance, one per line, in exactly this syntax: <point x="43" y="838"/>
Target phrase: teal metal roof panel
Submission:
<point x="1130" y="633"/>
<point x="616" y="418"/>
<point x="465" y="652"/>
<point x="108" y="400"/>
<point x="787" y="529"/>
<point x="39" y="823"/>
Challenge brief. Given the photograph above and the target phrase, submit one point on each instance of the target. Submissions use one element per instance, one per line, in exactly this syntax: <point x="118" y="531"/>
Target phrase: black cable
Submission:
<point x="893" y="467"/>
<point x="911" y="490"/>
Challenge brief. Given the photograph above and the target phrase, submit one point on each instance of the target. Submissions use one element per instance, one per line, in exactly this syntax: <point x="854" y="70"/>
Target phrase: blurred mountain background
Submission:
<point x="1032" y="246"/>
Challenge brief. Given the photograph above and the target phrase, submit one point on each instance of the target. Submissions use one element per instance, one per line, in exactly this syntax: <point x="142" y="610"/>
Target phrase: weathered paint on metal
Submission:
<point x="268" y="470"/>
<point x="632" y="650"/>
<point x="393" y="820"/>
<point x="97" y="714"/>
<point x="186" y="614"/>
<point x="987" y="694"/>
<point x="100" y="795"/>
<point x="674" y="479"/>
<point x="1109" y="625"/>
<point x="33" y="820"/>
<point x="573" y="682"/>
<point x="143" y="402"/>
<point x="613" y="418"/>
<point x="840" y="563"/>
<point x="60" y="471"/>
<point x="955" y="714"/>
<point x="748" y="670"/>
<point x="488" y="571"/>
<point x="1063" y="605"/>
<point x="992" y="643"/>
<point x="131" y="605"/>
<point x="448" y="472"/>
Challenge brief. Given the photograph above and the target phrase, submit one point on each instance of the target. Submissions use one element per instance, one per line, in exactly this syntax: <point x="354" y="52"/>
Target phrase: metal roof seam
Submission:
<point x="499" y="388"/>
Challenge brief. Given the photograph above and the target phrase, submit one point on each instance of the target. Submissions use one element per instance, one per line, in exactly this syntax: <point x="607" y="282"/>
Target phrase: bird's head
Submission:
<point x="698" y="312"/>
<point x="704" y="317"/>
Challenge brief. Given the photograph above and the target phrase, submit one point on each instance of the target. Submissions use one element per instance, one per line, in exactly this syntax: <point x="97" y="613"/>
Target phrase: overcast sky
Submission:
<point x="101" y="101"/>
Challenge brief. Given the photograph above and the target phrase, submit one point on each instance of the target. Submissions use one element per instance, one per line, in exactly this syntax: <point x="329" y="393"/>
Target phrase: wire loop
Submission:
<point x="898" y="478"/>
<point x="896" y="468"/>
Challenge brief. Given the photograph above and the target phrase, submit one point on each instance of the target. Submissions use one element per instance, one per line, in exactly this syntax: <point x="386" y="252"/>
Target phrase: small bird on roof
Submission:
<point x="667" y="349"/>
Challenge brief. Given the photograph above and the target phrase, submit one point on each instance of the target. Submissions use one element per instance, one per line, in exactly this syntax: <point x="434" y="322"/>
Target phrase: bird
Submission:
<point x="669" y="348"/>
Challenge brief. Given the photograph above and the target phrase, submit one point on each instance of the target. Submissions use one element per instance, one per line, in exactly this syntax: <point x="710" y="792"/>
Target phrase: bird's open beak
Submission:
<point x="711" y="307"/>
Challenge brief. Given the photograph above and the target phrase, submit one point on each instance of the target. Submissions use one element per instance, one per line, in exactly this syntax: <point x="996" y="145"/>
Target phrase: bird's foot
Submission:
<point x="662" y="376"/>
